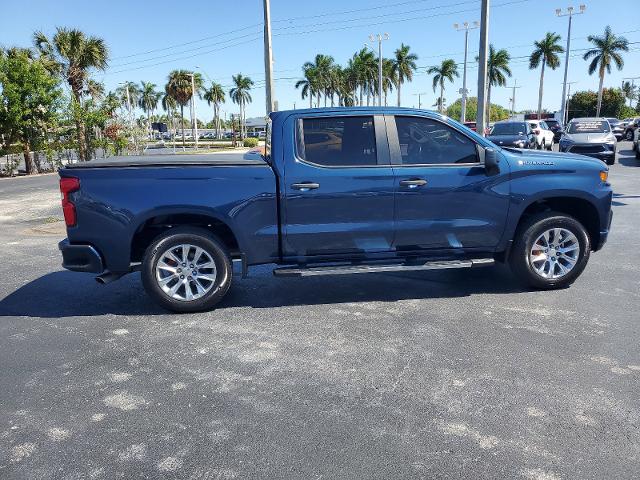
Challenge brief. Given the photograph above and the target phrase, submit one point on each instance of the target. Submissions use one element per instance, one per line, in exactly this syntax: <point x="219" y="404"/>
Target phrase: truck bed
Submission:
<point x="212" y="159"/>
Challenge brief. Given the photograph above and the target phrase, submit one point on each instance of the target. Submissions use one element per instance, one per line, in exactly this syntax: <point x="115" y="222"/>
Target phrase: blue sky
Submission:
<point x="148" y="39"/>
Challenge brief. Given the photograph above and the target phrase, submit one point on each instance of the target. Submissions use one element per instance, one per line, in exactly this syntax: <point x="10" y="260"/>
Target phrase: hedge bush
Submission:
<point x="251" y="142"/>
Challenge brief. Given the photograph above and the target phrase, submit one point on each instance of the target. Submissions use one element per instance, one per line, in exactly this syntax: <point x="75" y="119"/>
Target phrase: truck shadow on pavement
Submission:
<point x="67" y="294"/>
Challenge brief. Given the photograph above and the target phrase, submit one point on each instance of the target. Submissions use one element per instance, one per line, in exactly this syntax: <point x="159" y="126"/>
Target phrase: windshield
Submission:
<point x="508" y="129"/>
<point x="589" y="126"/>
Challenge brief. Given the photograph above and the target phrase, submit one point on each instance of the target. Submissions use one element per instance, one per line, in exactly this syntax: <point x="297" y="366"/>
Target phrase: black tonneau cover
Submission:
<point x="214" y="159"/>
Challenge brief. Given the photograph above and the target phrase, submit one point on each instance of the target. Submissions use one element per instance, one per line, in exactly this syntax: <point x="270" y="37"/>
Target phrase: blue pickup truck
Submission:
<point x="337" y="191"/>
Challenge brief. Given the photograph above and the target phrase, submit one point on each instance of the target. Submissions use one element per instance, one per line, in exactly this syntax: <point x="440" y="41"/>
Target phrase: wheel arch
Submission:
<point x="579" y="208"/>
<point x="157" y="223"/>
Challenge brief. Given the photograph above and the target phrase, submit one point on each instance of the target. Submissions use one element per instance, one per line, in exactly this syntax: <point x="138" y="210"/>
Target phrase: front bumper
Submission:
<point x="604" y="234"/>
<point x="604" y="154"/>
<point x="80" y="258"/>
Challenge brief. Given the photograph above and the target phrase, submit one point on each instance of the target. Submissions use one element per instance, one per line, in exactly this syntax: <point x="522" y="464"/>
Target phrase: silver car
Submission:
<point x="592" y="137"/>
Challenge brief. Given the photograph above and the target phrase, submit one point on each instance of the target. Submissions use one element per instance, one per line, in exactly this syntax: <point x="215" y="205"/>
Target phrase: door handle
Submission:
<point x="413" y="183"/>
<point x="305" y="186"/>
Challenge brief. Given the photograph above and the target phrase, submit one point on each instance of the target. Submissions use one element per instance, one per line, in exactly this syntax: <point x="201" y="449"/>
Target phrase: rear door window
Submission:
<point x="337" y="141"/>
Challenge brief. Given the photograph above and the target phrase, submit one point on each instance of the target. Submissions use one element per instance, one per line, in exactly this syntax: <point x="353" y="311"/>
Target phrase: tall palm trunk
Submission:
<point x="600" y="91"/>
<point x="80" y="128"/>
<point x="310" y="100"/>
<point x="544" y="60"/>
<point x="440" y="107"/>
<point x="182" y="124"/>
<point x="399" y="84"/>
<point x="360" y="102"/>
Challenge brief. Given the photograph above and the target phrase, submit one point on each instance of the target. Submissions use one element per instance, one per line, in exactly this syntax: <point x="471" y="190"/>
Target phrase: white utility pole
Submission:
<point x="129" y="110"/>
<point x="481" y="118"/>
<point x="419" y="98"/>
<point x="570" y="13"/>
<point x="463" y="91"/>
<point x="268" y="58"/>
<point x="380" y="38"/>
<point x="513" y="96"/>
<point x="565" y="119"/>
<point x="194" y="118"/>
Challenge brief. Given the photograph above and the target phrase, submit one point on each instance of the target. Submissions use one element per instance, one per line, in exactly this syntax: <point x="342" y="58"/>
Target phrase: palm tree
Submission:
<point x="215" y="95"/>
<point x="389" y="79"/>
<point x="129" y="94"/>
<point x="72" y="54"/>
<point x="446" y="71"/>
<point x="629" y="91"/>
<point x="110" y="104"/>
<point x="169" y="105"/>
<point x="94" y="90"/>
<point x="497" y="72"/>
<point x="179" y="86"/>
<point x="148" y="100"/>
<point x="607" y="50"/>
<point x="546" y="54"/>
<point x="321" y="68"/>
<point x="309" y="84"/>
<point x="404" y="64"/>
<point x="240" y="94"/>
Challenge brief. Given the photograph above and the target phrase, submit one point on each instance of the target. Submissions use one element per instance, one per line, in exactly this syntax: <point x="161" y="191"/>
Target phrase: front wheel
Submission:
<point x="550" y="251"/>
<point x="628" y="135"/>
<point x="187" y="270"/>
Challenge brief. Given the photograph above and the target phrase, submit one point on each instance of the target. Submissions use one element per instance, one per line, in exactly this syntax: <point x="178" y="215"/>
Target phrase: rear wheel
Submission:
<point x="551" y="250"/>
<point x="628" y="135"/>
<point x="187" y="270"/>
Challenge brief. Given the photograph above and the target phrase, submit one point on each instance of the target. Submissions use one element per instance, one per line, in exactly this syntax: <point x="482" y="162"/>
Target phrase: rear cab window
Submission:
<point x="339" y="141"/>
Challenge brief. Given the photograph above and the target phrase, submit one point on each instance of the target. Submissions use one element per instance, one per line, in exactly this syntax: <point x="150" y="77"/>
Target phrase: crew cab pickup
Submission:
<point x="336" y="191"/>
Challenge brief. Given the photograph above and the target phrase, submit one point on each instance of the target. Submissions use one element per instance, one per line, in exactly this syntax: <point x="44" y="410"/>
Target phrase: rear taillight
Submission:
<point x="536" y="131"/>
<point x="68" y="185"/>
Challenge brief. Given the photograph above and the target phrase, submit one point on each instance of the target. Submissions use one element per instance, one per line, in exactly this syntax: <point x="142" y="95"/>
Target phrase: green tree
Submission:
<point x="321" y="67"/>
<point x="606" y="51"/>
<point x="585" y="103"/>
<point x="309" y="84"/>
<point x="446" y="71"/>
<point x="404" y="65"/>
<point x="240" y="94"/>
<point x="72" y="54"/>
<point x="498" y="112"/>
<point x="215" y="95"/>
<point x="546" y="54"/>
<point x="30" y="98"/>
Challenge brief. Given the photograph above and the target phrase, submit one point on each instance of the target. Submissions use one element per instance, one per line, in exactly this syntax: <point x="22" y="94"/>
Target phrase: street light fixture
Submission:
<point x="463" y="91"/>
<point x="380" y="38"/>
<point x="569" y="13"/>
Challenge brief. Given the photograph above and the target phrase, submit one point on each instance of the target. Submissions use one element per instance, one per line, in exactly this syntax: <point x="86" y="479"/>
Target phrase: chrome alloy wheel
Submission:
<point x="186" y="272"/>
<point x="554" y="253"/>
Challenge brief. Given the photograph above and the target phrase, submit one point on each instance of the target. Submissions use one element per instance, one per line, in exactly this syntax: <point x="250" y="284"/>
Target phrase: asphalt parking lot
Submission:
<point x="418" y="375"/>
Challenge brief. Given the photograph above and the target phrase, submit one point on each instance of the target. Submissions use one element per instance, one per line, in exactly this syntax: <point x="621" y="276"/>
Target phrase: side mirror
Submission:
<point x="491" y="161"/>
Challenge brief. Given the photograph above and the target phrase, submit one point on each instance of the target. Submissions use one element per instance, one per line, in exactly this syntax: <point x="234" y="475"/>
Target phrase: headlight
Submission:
<point x="610" y="146"/>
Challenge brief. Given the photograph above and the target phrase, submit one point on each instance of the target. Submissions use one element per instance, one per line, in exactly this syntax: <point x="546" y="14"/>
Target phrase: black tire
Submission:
<point x="198" y="238"/>
<point x="638" y="151"/>
<point x="527" y="234"/>
<point x="628" y="135"/>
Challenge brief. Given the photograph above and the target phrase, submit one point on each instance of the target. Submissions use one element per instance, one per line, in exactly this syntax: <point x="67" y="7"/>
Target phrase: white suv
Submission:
<point x="544" y="135"/>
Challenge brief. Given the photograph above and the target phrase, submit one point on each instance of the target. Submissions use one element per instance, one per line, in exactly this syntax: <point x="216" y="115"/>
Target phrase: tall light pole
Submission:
<point x="569" y="13"/>
<point x="380" y="38"/>
<point x="466" y="27"/>
<point x="268" y="58"/>
<point x="481" y="118"/>
<point x="420" y="97"/>
<point x="194" y="118"/>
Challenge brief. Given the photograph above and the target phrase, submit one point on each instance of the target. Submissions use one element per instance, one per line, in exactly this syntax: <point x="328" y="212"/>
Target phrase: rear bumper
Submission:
<point x="80" y="258"/>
